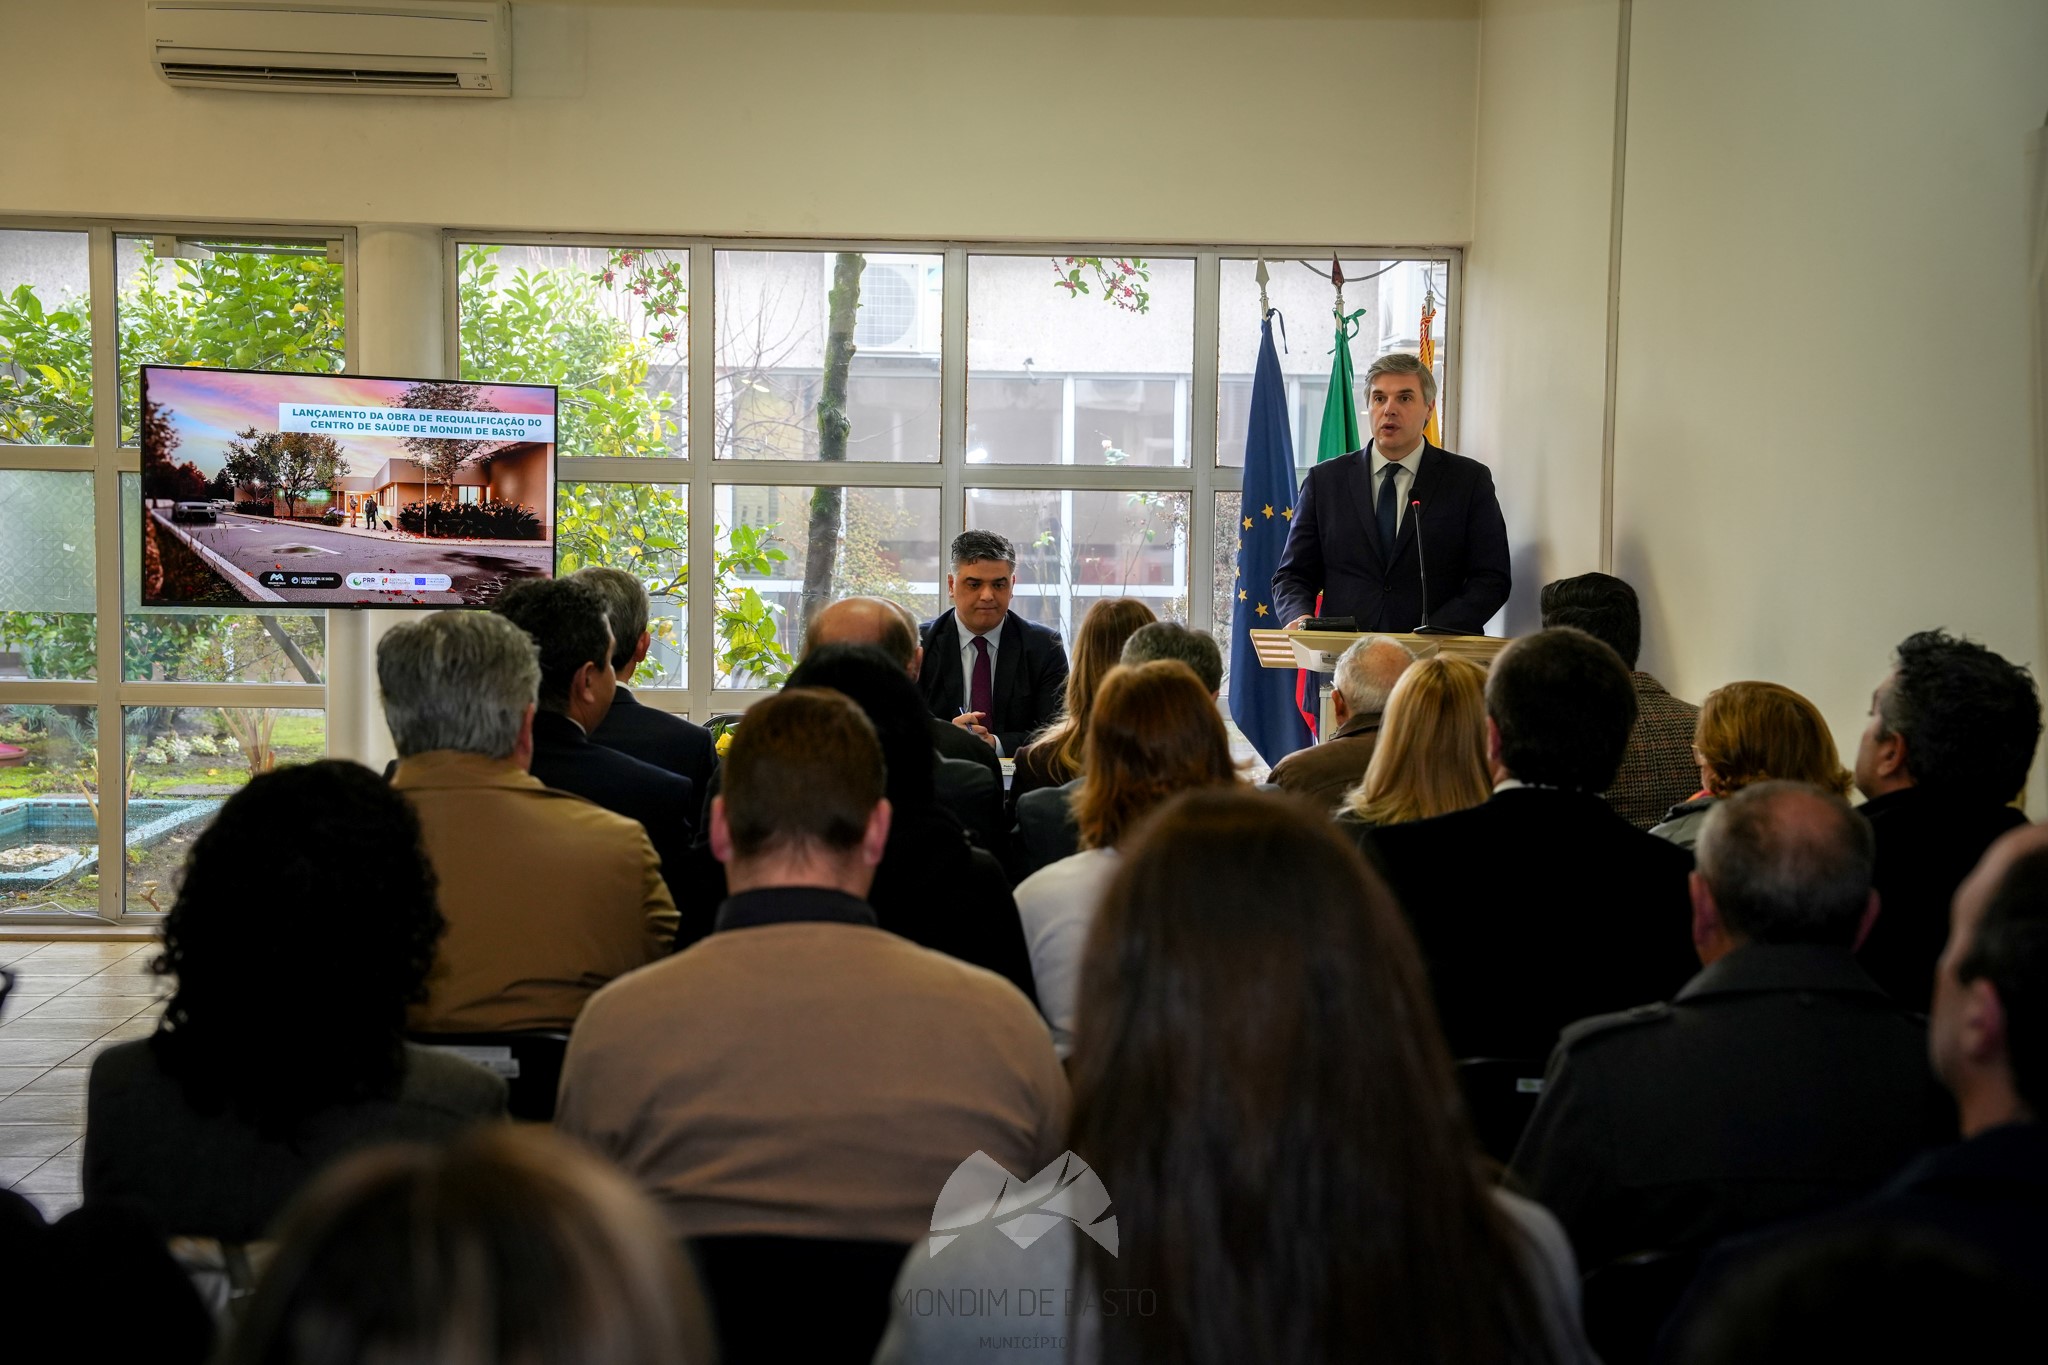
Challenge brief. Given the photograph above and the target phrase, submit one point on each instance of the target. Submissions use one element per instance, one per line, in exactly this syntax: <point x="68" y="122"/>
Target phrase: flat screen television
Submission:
<point x="342" y="490"/>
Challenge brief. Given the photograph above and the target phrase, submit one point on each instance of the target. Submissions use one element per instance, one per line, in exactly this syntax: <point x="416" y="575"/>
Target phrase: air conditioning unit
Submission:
<point x="428" y="47"/>
<point x="901" y="303"/>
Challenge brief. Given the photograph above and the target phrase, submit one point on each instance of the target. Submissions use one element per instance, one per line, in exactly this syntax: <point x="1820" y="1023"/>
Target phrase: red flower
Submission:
<point x="607" y="277"/>
<point x="627" y="258"/>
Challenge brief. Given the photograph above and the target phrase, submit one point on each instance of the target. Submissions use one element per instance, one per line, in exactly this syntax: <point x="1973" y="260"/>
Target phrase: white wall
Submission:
<point x="1823" y="429"/>
<point x="1190" y="121"/>
<point x="1535" y="353"/>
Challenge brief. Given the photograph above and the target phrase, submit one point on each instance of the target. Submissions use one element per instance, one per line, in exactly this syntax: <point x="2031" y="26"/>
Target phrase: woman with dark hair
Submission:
<point x="1266" y="1110"/>
<point x="507" y="1245"/>
<point x="933" y="887"/>
<point x="303" y="928"/>
<point x="1155" y="731"/>
<point x="1054" y="757"/>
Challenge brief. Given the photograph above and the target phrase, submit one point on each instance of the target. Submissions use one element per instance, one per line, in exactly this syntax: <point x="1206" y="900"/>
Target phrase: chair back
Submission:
<point x="1500" y="1095"/>
<point x="813" y="1299"/>
<point x="530" y="1062"/>
<point x="1626" y="1302"/>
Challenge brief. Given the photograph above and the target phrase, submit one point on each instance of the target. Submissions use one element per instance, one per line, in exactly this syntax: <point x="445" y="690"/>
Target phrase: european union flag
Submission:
<point x="1262" y="699"/>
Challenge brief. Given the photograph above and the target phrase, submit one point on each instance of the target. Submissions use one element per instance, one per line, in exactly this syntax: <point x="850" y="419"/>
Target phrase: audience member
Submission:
<point x="507" y="1246"/>
<point x="1657" y="769"/>
<point x="1951" y="735"/>
<point x="547" y="896"/>
<point x="1365" y="677"/>
<point x="801" y="1072"/>
<point x="1155" y="732"/>
<point x="1054" y="757"/>
<point x="968" y="778"/>
<point x="1430" y="758"/>
<point x="1631" y="1144"/>
<point x="987" y="669"/>
<point x="647" y="733"/>
<point x="568" y="623"/>
<point x="1046" y="830"/>
<point x="1263" y="1102"/>
<point x="60" y="1276"/>
<point x="259" y="1074"/>
<point x="1754" y="732"/>
<point x="1543" y="905"/>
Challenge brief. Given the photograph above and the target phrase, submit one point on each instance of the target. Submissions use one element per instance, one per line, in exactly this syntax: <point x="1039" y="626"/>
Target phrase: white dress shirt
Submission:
<point x="1403" y="473"/>
<point x="967" y="639"/>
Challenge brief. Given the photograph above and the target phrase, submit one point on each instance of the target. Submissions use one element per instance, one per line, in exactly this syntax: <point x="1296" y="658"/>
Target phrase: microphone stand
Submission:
<point x="1422" y="568"/>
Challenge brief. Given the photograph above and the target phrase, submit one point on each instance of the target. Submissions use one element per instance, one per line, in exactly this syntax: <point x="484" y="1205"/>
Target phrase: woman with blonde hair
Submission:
<point x="1750" y="732"/>
<point x="1430" y="758"/>
<point x="1156" y="731"/>
<point x="1053" y="758"/>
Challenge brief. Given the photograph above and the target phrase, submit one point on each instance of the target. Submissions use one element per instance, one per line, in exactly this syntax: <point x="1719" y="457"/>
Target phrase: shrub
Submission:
<point x="265" y="508"/>
<point x="470" y="520"/>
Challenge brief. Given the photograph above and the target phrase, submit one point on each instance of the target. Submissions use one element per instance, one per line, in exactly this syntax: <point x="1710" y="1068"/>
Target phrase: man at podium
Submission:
<point x="1369" y="529"/>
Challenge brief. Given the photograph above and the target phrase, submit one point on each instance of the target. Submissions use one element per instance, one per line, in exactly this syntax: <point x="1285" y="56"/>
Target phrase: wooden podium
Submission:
<point x="1318" y="651"/>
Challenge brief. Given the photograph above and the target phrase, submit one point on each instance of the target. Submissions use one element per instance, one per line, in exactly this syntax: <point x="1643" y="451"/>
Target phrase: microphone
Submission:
<point x="1422" y="568"/>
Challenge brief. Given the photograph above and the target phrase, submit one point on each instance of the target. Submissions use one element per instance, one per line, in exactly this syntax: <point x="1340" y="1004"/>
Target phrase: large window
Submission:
<point x="124" y="727"/>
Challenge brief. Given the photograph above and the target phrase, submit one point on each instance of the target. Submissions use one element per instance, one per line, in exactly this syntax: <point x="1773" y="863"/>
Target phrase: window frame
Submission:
<point x="109" y="693"/>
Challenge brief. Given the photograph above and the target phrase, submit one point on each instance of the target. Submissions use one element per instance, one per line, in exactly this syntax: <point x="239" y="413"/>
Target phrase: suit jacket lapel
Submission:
<point x="942" y="666"/>
<point x="1359" y="477"/>
<point x="1418" y="490"/>
<point x="1009" y="667"/>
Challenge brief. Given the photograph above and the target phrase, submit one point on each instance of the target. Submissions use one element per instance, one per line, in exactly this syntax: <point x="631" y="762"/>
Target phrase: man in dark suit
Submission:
<point x="567" y="620"/>
<point x="1632" y="1145"/>
<point x="1951" y="735"/>
<point x="1543" y="906"/>
<point x="1354" y="523"/>
<point x="985" y="668"/>
<point x="662" y="738"/>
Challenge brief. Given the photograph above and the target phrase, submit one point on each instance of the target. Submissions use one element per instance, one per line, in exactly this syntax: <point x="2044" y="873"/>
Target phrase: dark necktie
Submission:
<point x="1388" y="507"/>
<point x="981" y="693"/>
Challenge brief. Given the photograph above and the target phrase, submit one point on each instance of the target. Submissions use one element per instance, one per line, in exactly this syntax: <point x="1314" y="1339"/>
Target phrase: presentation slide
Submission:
<point x="342" y="490"/>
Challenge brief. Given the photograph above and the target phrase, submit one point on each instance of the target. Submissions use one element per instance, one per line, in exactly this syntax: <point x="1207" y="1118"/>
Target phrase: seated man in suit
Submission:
<point x="647" y="733"/>
<point x="801" y="1072"/>
<point x="1326" y="772"/>
<point x="1951" y="735"/>
<point x="968" y="778"/>
<point x="1353" y="529"/>
<point x="1046" y="830"/>
<point x="547" y="896"/>
<point x="568" y="623"/>
<point x="987" y="669"/>
<point x="1543" y="906"/>
<point x="1659" y="770"/>
<point x="1632" y="1145"/>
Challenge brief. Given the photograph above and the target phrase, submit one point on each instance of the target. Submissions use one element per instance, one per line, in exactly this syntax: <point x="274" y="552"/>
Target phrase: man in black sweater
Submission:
<point x="647" y="733"/>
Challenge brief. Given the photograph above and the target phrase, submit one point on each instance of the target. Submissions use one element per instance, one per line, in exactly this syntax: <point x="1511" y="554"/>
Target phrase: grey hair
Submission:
<point x="1401" y="362"/>
<point x="458" y="680"/>
<point x="971" y="547"/>
<point x="1367" y="671"/>
<point x="625" y="606"/>
<point x="1783" y="874"/>
<point x="1172" y="640"/>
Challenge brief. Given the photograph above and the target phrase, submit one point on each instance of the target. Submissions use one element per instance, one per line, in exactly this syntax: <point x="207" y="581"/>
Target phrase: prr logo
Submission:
<point x="981" y="1190"/>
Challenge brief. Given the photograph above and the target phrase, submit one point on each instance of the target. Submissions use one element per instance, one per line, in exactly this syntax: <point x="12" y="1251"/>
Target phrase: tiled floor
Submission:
<point x="70" y="999"/>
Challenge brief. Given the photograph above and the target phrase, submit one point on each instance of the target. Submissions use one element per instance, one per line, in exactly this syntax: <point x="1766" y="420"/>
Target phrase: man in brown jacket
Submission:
<point x="801" y="1072"/>
<point x="1359" y="689"/>
<point x="547" y="896"/>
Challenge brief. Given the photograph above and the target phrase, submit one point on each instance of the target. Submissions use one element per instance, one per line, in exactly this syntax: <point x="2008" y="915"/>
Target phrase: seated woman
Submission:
<point x="1155" y="731"/>
<point x="509" y="1244"/>
<point x="1431" y="756"/>
<point x="1277" y="1166"/>
<point x="1053" y="757"/>
<point x="303" y="928"/>
<point x="1752" y="732"/>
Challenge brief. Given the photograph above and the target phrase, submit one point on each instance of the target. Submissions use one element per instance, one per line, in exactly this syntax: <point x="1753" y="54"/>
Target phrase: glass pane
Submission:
<point x="608" y="325"/>
<point x="235" y="305"/>
<point x="49" y="815"/>
<point x="1074" y="546"/>
<point x="1390" y="292"/>
<point x="1071" y="360"/>
<point x="183" y="762"/>
<point x="45" y="339"/>
<point x="775" y="314"/>
<point x="194" y="644"/>
<point x="47" y="577"/>
<point x="643" y="528"/>
<point x="883" y="542"/>
<point x="1224" y="599"/>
